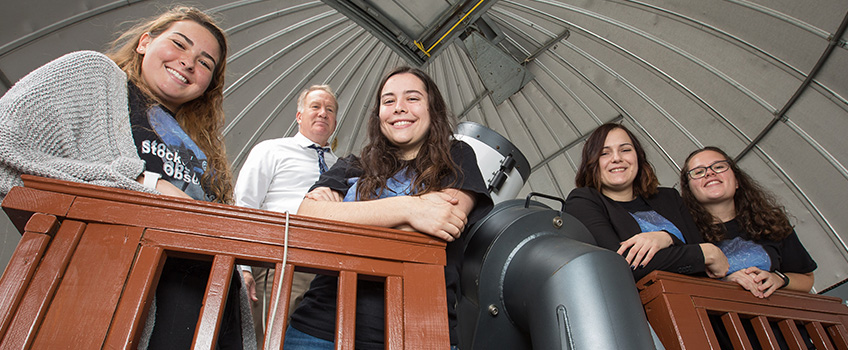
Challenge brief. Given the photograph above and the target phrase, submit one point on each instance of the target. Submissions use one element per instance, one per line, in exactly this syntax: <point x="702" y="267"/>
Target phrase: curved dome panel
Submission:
<point x="766" y="81"/>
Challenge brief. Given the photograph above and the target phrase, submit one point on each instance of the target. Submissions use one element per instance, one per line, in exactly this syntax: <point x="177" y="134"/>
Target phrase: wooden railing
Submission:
<point x="684" y="310"/>
<point x="90" y="257"/>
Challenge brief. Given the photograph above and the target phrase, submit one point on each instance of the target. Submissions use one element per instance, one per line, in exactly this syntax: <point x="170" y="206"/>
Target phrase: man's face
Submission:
<point x="317" y="119"/>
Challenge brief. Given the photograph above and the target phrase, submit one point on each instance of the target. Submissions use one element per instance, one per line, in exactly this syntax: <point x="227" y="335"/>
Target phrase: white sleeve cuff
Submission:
<point x="150" y="179"/>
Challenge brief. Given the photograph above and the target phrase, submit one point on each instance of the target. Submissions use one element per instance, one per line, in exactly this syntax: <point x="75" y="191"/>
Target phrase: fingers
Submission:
<point x="448" y="232"/>
<point x="770" y="282"/>
<point x="453" y="228"/>
<point x="634" y="256"/>
<point x="771" y="289"/>
<point x="639" y="260"/>
<point x="624" y="247"/>
<point x="751" y="287"/>
<point x="746" y="280"/>
<point x="324" y="194"/>
<point x="446" y="235"/>
<point x="759" y="282"/>
<point x="440" y="215"/>
<point x="250" y="283"/>
<point x="441" y="197"/>
<point x="642" y="247"/>
<point x="648" y="257"/>
<point x="442" y="220"/>
<point x="450" y="196"/>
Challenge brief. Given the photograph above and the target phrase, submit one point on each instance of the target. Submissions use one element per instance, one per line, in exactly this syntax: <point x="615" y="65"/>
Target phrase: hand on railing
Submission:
<point x="747" y="280"/>
<point x="643" y="246"/>
<point x="715" y="261"/>
<point x="437" y="214"/>
<point x="324" y="194"/>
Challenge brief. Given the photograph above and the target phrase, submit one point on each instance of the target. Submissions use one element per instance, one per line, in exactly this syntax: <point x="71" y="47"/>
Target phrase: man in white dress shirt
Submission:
<point x="277" y="174"/>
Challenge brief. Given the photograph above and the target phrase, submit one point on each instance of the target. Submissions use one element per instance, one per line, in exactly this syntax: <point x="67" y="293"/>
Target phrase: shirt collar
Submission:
<point x="305" y="142"/>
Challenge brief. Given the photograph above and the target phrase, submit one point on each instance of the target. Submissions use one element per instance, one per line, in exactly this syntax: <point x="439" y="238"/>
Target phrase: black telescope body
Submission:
<point x="532" y="278"/>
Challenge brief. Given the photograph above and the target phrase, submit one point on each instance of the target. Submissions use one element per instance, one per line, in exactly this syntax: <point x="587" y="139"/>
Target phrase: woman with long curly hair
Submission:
<point x="747" y="223"/>
<point x="411" y="175"/>
<point x="146" y="116"/>
<point x="187" y="89"/>
<point x="618" y="199"/>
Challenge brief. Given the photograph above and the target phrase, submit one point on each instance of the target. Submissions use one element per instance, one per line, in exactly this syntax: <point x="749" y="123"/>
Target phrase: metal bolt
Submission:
<point x="493" y="310"/>
<point x="557" y="222"/>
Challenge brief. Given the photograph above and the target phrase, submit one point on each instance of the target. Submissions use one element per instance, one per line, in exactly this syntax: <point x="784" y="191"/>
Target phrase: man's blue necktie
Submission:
<point x="322" y="165"/>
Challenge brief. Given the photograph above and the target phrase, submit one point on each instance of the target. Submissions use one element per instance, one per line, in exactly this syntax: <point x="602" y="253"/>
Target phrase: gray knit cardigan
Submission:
<point x="69" y="120"/>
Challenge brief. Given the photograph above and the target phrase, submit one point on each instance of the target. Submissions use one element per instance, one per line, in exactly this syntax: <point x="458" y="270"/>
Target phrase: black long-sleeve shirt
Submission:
<point x="611" y="224"/>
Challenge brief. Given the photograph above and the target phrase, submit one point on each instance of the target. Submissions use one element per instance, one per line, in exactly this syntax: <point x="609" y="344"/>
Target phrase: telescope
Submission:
<point x="532" y="276"/>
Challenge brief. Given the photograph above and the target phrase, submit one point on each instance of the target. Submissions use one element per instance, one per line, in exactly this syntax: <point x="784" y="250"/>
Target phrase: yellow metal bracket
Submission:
<point x="427" y="51"/>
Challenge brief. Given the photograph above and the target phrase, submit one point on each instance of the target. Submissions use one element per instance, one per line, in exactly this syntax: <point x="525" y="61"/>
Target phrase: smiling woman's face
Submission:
<point x="404" y="113"/>
<point x="178" y="65"/>
<point x="713" y="187"/>
<point x="618" y="165"/>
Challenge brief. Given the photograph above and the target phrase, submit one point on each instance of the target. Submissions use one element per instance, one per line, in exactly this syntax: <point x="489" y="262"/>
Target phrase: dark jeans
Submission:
<point x="296" y="339"/>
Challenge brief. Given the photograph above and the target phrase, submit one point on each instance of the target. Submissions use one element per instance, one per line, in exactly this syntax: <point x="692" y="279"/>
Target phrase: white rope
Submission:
<point x="279" y="284"/>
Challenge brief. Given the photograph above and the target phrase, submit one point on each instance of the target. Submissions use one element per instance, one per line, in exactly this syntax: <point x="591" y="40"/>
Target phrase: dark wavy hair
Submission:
<point x="589" y="173"/>
<point x="201" y="118"/>
<point x="380" y="159"/>
<point x="757" y="211"/>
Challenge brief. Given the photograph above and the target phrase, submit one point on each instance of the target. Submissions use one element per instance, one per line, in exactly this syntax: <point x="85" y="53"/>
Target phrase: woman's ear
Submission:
<point x="142" y="43"/>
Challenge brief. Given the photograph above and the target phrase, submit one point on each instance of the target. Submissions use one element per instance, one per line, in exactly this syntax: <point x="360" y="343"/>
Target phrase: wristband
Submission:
<point x="782" y="276"/>
<point x="150" y="179"/>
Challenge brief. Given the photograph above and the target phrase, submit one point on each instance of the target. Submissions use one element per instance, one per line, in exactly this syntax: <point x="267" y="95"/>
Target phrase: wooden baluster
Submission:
<point x="33" y="306"/>
<point x="422" y="295"/>
<point x="819" y="336"/>
<point x="764" y="334"/>
<point x="839" y="335"/>
<point x="206" y="333"/>
<point x="791" y="334"/>
<point x="346" y="311"/>
<point x="22" y="265"/>
<point x="138" y="294"/>
<point x="733" y="325"/>
<point x="275" y="333"/>
<point x="709" y="332"/>
<point x="91" y="285"/>
<point x="394" y="313"/>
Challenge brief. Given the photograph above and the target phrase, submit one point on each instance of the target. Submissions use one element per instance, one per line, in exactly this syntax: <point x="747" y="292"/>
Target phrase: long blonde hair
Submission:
<point x="202" y="118"/>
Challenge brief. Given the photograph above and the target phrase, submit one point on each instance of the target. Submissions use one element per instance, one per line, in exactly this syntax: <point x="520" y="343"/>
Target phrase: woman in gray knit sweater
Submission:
<point x="70" y="120"/>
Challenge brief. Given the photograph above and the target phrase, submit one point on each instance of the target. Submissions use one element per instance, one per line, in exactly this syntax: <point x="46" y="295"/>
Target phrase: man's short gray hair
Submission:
<point x="301" y="100"/>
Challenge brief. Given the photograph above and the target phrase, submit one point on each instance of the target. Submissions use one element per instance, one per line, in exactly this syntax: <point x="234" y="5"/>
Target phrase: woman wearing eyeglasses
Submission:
<point x="751" y="228"/>
<point x="618" y="199"/>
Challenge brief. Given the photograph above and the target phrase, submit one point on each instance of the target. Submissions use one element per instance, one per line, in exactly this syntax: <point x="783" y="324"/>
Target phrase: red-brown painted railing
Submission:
<point x="90" y="257"/>
<point x="679" y="309"/>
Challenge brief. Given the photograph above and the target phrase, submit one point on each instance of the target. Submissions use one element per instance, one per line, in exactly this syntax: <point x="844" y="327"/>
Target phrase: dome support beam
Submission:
<point x="835" y="40"/>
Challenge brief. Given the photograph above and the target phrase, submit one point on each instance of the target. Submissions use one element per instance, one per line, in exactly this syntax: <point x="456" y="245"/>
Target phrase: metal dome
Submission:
<point x="765" y="80"/>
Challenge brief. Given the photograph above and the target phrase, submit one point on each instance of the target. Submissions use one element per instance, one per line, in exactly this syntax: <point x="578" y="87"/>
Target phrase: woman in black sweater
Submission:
<point x="618" y="199"/>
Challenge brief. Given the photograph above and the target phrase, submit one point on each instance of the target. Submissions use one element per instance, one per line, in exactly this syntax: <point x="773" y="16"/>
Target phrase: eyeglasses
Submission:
<point x="701" y="171"/>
